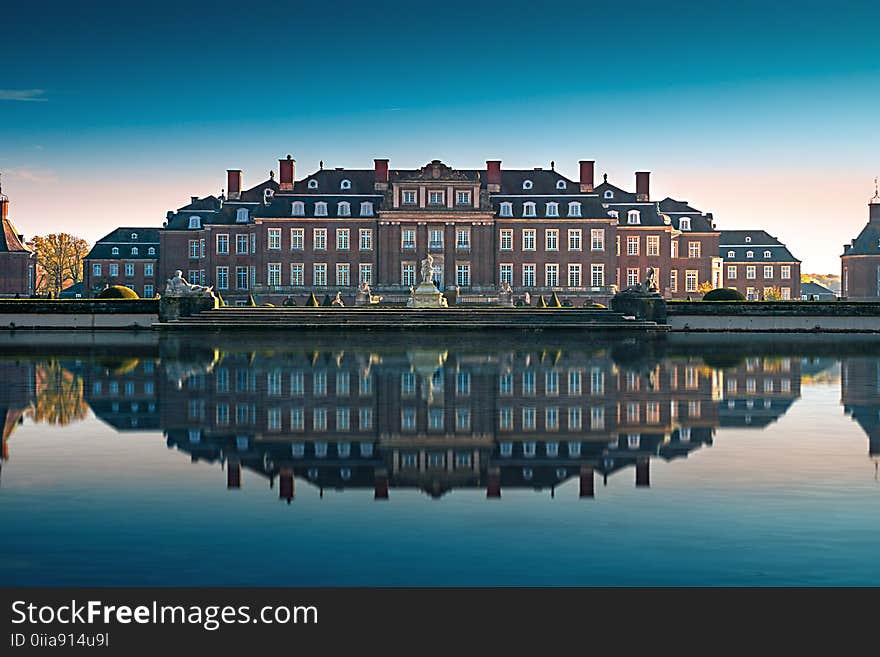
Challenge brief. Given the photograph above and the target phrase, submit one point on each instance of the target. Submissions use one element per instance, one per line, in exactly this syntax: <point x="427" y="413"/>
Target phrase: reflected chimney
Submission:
<point x="587" y="481"/>
<point x="233" y="474"/>
<point x="381" y="174"/>
<point x="233" y="184"/>
<point x="493" y="175"/>
<point x="380" y="483"/>
<point x="587" y="174"/>
<point x="643" y="473"/>
<point x="493" y="490"/>
<point x="286" y="485"/>
<point x="643" y="186"/>
<point x="286" y="173"/>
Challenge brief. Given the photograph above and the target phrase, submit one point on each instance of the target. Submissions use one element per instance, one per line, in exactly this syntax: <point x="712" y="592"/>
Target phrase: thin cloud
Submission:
<point x="38" y="176"/>
<point x="26" y="95"/>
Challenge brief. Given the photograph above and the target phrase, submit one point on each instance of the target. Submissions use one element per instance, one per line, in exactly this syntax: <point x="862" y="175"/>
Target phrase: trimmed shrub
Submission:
<point x="596" y="306"/>
<point x="220" y="302"/>
<point x="118" y="292"/>
<point x="554" y="301"/>
<point x="251" y="301"/>
<point x="542" y="302"/>
<point x="267" y="305"/>
<point x="313" y="301"/>
<point x="327" y="302"/>
<point x="724" y="294"/>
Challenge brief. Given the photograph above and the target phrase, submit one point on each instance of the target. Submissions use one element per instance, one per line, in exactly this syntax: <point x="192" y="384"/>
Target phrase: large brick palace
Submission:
<point x="535" y="229"/>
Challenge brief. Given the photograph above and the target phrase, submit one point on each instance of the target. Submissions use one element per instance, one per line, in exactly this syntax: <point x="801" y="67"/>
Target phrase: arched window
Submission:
<point x="298" y="209"/>
<point x="134" y="236"/>
<point x="529" y="209"/>
<point x="345" y="184"/>
<point x="195" y="222"/>
<point x="115" y="250"/>
<point x="633" y="217"/>
<point x="134" y="250"/>
<point x="320" y="209"/>
<point x="766" y="254"/>
<point x="574" y="209"/>
<point x="560" y="184"/>
<point x="750" y="254"/>
<point x="151" y="251"/>
<point x="748" y="239"/>
<point x="684" y="223"/>
<point x="506" y="209"/>
<point x="608" y="194"/>
<point x="613" y="214"/>
<point x="527" y="184"/>
<point x="553" y="209"/>
<point x="366" y="209"/>
<point x="241" y="216"/>
<point x="313" y="184"/>
<point x="343" y="209"/>
<point x="731" y="254"/>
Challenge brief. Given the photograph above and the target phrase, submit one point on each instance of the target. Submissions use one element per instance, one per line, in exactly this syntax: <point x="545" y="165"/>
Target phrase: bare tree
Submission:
<point x="59" y="261"/>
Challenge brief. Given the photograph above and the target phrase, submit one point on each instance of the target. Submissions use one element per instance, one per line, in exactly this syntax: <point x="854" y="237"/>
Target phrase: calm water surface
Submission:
<point x="431" y="459"/>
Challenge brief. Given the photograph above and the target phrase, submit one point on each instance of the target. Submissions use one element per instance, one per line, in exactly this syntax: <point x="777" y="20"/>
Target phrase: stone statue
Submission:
<point x="650" y="284"/>
<point x="428" y="269"/>
<point x="505" y="294"/>
<point x="179" y="287"/>
<point x="337" y="300"/>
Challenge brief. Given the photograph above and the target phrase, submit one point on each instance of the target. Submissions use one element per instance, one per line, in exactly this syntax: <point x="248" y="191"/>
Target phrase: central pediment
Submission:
<point x="436" y="170"/>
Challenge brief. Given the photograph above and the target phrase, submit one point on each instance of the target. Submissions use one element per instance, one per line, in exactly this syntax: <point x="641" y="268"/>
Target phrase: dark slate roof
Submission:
<point x="758" y="241"/>
<point x="71" y="291"/>
<point x="282" y="206"/>
<point x="671" y="205"/>
<point x="9" y="241"/>
<point x="812" y="287"/>
<point x="121" y="238"/>
<point x="648" y="214"/>
<point x="591" y="207"/>
<point x="544" y="182"/>
<point x="867" y="243"/>
<point x="330" y="182"/>
<point x="620" y="195"/>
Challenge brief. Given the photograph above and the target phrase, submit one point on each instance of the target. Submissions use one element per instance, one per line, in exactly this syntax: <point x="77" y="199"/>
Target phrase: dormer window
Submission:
<point x="241" y="216"/>
<point x="613" y="214"/>
<point x="731" y="254"/>
<point x="313" y="184"/>
<point x="748" y="239"/>
<point x="134" y="236"/>
<point x="320" y="209"/>
<point x="506" y="209"/>
<point x="298" y="209"/>
<point x="115" y="250"/>
<point x="195" y="222"/>
<point x="766" y="254"/>
<point x="553" y="209"/>
<point x="608" y="194"/>
<point x="633" y="217"/>
<point x="134" y="250"/>
<point x="750" y="254"/>
<point x="574" y="209"/>
<point x="267" y="195"/>
<point x="345" y="184"/>
<point x="343" y="209"/>
<point x="527" y="184"/>
<point x="685" y="223"/>
<point x="151" y="251"/>
<point x="366" y="209"/>
<point x="529" y="209"/>
<point x="560" y="184"/>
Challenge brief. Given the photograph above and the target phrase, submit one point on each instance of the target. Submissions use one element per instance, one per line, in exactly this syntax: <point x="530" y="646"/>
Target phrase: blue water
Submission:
<point x="778" y="488"/>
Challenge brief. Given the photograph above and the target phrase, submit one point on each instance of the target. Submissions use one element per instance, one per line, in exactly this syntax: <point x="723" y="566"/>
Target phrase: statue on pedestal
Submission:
<point x="179" y="287"/>
<point x="428" y="269"/>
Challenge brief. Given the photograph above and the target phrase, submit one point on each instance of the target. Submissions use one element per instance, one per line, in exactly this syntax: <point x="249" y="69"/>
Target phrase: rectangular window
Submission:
<point x="435" y="238"/>
<point x="529" y="275"/>
<point x="528" y="239"/>
<point x="505" y="274"/>
<point x="690" y="280"/>
<point x="222" y="278"/>
<point x="222" y="244"/>
<point x="551" y="239"/>
<point x="693" y="249"/>
<point x="129" y="269"/>
<point x="462" y="198"/>
<point x="750" y="293"/>
<point x="574" y="275"/>
<point x="750" y="272"/>
<point x="343" y="274"/>
<point x="786" y="293"/>
<point x="551" y="275"/>
<point x="408" y="238"/>
<point x="409" y="197"/>
<point x="241" y="278"/>
<point x="274" y="274"/>
<point x="319" y="235"/>
<point x="574" y="239"/>
<point x="632" y="245"/>
<point x="435" y="197"/>
<point x="731" y="272"/>
<point x="241" y="244"/>
<point x="632" y="276"/>
<point x="148" y="291"/>
<point x="366" y="242"/>
<point x="193" y="249"/>
<point x="365" y="274"/>
<point x="407" y="273"/>
<point x="463" y="274"/>
<point x="148" y="269"/>
<point x="507" y="240"/>
<point x="96" y="270"/>
<point x="597" y="239"/>
<point x="462" y="238"/>
<point x="768" y="271"/>
<point x="342" y="236"/>
<point x="320" y="274"/>
<point x="297" y="273"/>
<point x="652" y="247"/>
<point x="274" y="239"/>
<point x="597" y="275"/>
<point x="505" y="418"/>
<point x="785" y="272"/>
<point x="112" y="269"/>
<point x="297" y="239"/>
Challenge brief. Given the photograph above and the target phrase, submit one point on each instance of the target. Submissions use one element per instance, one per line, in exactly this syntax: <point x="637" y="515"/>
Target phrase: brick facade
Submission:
<point x="759" y="266"/>
<point x="127" y="256"/>
<point x="17" y="259"/>
<point x="860" y="262"/>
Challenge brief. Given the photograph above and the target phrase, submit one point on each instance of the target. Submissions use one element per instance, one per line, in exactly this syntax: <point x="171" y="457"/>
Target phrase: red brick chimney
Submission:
<point x="233" y="184"/>
<point x="4" y="203"/>
<point x="286" y="173"/>
<point x="587" y="173"/>
<point x="493" y="175"/>
<point x="381" y="174"/>
<point x="643" y="186"/>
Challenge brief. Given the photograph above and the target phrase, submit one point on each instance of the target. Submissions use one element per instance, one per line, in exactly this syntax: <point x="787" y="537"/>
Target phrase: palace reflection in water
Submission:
<point x="434" y="418"/>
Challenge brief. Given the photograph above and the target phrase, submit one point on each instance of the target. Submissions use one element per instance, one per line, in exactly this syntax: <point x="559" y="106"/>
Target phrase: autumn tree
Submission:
<point x="705" y="287"/>
<point x="59" y="261"/>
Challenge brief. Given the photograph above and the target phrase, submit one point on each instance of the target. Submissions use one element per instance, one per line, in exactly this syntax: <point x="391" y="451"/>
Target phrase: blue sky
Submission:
<point x="764" y="113"/>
